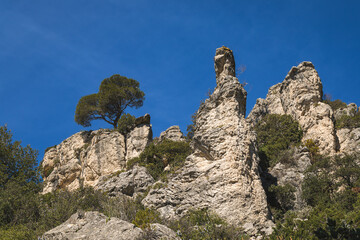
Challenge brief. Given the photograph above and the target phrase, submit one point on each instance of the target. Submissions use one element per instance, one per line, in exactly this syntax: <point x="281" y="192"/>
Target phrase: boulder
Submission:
<point x="173" y="133"/>
<point x="96" y="226"/>
<point x="130" y="183"/>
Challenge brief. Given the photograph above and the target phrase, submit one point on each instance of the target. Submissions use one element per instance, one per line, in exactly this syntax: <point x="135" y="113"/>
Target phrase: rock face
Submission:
<point x="173" y="133"/>
<point x="129" y="183"/>
<point x="96" y="226"/>
<point x="84" y="157"/>
<point x="292" y="172"/>
<point x="222" y="173"/>
<point x="299" y="96"/>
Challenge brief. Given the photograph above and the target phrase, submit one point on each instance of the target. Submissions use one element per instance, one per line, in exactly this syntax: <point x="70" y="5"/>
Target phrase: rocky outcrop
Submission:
<point x="83" y="158"/>
<point x="222" y="173"/>
<point x="291" y="170"/>
<point x="96" y="226"/>
<point x="137" y="140"/>
<point x="349" y="140"/>
<point x="130" y="183"/>
<point x="349" y="110"/>
<point x="173" y="133"/>
<point x="299" y="96"/>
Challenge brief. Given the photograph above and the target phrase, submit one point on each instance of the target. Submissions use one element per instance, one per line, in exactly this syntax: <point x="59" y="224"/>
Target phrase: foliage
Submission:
<point x="145" y="217"/>
<point x="284" y="196"/>
<point x="115" y="95"/>
<point x="126" y="123"/>
<point x="336" y="104"/>
<point x="191" y="128"/>
<point x="331" y="188"/>
<point x="350" y="122"/>
<point x="203" y="224"/>
<point x="156" y="157"/>
<point x="276" y="133"/>
<point x="313" y="149"/>
<point x="17" y="163"/>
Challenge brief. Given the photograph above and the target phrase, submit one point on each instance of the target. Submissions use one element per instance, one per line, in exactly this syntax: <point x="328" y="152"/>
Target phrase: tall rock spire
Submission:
<point x="222" y="173"/>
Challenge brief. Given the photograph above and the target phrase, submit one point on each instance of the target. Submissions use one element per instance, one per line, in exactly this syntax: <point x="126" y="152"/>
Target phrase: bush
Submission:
<point x="145" y="217"/>
<point x="313" y="149"/>
<point x="336" y="104"/>
<point x="276" y="133"/>
<point x="126" y="123"/>
<point x="350" y="122"/>
<point x="156" y="157"/>
<point x="203" y="224"/>
<point x="284" y="195"/>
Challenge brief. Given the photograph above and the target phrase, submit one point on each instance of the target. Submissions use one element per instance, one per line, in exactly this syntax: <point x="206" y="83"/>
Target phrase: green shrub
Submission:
<point x="156" y="157"/>
<point x="126" y="123"/>
<point x="284" y="195"/>
<point x="313" y="149"/>
<point x="204" y="224"/>
<point x="350" y="122"/>
<point x="17" y="232"/>
<point x="145" y="217"/>
<point x="336" y="104"/>
<point x="276" y="133"/>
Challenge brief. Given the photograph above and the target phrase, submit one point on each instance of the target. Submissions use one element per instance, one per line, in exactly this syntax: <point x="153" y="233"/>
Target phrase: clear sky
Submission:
<point x="54" y="52"/>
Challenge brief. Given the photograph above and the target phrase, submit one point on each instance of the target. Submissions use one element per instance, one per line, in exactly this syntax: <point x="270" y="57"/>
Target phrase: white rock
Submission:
<point x="222" y="173"/>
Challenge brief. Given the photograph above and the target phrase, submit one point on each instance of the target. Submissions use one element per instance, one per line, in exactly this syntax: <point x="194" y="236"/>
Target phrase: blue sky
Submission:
<point x="54" y="52"/>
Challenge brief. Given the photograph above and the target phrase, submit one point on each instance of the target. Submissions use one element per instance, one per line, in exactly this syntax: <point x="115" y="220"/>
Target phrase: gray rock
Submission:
<point x="349" y="140"/>
<point x="292" y="172"/>
<point x="222" y="173"/>
<point x="96" y="226"/>
<point x="129" y="183"/>
<point x="173" y="133"/>
<point x="349" y="110"/>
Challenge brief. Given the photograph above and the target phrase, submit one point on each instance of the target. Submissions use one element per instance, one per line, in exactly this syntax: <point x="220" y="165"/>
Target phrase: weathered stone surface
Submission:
<point x="172" y="133"/>
<point x="349" y="110"/>
<point x="143" y="120"/>
<point x="129" y="183"/>
<point x="86" y="156"/>
<point x="349" y="140"/>
<point x="137" y="140"/>
<point x="222" y="173"/>
<point x="96" y="226"/>
<point x="300" y="95"/>
<point x="291" y="171"/>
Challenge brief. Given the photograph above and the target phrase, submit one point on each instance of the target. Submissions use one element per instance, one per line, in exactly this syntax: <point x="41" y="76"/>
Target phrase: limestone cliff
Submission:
<point x="83" y="158"/>
<point x="222" y="173"/>
<point x="299" y="96"/>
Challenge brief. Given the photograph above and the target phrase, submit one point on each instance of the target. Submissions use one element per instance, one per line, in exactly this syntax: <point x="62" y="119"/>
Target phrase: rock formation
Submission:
<point x="129" y="183"/>
<point x="83" y="158"/>
<point x="291" y="172"/>
<point x="299" y="96"/>
<point x="173" y="133"/>
<point x="222" y="173"/>
<point x="96" y="226"/>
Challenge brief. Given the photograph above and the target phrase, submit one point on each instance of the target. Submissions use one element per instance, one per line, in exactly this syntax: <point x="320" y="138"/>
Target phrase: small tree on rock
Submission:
<point x="115" y="95"/>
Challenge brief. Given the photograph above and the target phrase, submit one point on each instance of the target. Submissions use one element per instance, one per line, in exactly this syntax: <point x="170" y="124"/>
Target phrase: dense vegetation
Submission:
<point x="276" y="134"/>
<point x="157" y="156"/>
<point x="332" y="189"/>
<point x="350" y="122"/>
